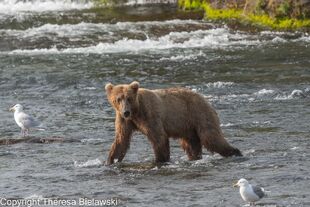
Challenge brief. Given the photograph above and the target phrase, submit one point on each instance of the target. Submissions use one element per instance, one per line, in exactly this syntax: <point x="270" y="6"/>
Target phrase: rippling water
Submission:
<point x="57" y="62"/>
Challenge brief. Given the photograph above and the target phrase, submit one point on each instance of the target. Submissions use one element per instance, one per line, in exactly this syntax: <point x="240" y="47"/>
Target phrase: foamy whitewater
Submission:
<point x="110" y="38"/>
<point x="213" y="38"/>
<point x="16" y="6"/>
<point x="83" y="28"/>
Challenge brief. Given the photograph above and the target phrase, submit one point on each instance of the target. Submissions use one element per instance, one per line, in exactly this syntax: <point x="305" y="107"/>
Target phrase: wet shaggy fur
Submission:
<point x="161" y="114"/>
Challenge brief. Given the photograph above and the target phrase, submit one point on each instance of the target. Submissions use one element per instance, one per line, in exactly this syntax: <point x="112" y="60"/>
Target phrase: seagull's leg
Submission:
<point x="27" y="132"/>
<point x="22" y="132"/>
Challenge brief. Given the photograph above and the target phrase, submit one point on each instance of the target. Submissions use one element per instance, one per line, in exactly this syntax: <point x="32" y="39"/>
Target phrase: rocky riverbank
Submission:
<point x="273" y="14"/>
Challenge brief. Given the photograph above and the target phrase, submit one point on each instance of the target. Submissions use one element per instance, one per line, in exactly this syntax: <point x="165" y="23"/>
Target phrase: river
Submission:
<point x="56" y="57"/>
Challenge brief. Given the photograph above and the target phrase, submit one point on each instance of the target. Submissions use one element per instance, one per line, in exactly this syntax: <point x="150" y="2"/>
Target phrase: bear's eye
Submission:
<point x="119" y="100"/>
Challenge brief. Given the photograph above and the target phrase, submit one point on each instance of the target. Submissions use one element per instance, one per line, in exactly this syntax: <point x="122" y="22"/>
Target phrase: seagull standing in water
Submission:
<point x="248" y="192"/>
<point x="24" y="121"/>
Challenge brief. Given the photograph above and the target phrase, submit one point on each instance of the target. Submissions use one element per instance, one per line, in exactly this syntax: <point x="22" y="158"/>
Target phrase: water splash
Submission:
<point x="264" y="91"/>
<point x="88" y="163"/>
<point x="296" y="93"/>
<point x="220" y="84"/>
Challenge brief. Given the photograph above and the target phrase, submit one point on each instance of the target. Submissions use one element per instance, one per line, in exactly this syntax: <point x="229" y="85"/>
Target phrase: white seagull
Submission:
<point x="248" y="192"/>
<point x="24" y="121"/>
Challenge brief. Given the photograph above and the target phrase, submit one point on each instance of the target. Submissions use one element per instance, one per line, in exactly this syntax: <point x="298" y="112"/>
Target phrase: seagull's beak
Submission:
<point x="12" y="109"/>
<point x="235" y="185"/>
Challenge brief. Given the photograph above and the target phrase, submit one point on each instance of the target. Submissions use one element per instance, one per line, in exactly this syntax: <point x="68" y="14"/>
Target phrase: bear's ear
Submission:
<point x="108" y="87"/>
<point x="134" y="86"/>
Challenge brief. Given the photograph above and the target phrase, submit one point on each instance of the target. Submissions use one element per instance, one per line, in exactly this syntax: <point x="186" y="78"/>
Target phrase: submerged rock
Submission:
<point x="40" y="140"/>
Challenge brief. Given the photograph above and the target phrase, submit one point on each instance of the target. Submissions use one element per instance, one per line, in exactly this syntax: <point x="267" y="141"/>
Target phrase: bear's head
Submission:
<point x="123" y="98"/>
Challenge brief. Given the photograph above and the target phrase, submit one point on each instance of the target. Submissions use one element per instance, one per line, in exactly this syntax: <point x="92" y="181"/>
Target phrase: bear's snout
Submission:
<point x="126" y="114"/>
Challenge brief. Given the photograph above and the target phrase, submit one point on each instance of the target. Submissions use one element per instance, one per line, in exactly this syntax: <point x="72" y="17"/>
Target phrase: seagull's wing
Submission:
<point x="28" y="121"/>
<point x="258" y="191"/>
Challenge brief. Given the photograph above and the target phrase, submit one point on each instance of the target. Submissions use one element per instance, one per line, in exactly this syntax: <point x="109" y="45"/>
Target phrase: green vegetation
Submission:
<point x="196" y="4"/>
<point x="284" y="9"/>
<point x="281" y="21"/>
<point x="276" y="23"/>
<point x="221" y="13"/>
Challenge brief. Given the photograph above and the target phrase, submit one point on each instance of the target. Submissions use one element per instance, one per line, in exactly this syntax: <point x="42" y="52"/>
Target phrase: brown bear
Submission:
<point x="163" y="113"/>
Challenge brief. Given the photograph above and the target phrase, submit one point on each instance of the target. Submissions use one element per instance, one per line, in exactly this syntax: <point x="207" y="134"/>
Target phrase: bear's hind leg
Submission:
<point x="214" y="141"/>
<point x="192" y="147"/>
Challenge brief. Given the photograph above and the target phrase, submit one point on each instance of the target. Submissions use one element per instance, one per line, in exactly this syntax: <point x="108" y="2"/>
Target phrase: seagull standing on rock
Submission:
<point x="248" y="192"/>
<point x="24" y="121"/>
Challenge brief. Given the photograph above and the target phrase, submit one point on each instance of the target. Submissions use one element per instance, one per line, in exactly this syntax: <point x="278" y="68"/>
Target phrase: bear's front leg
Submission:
<point x="160" y="143"/>
<point x="162" y="150"/>
<point x="123" y="131"/>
